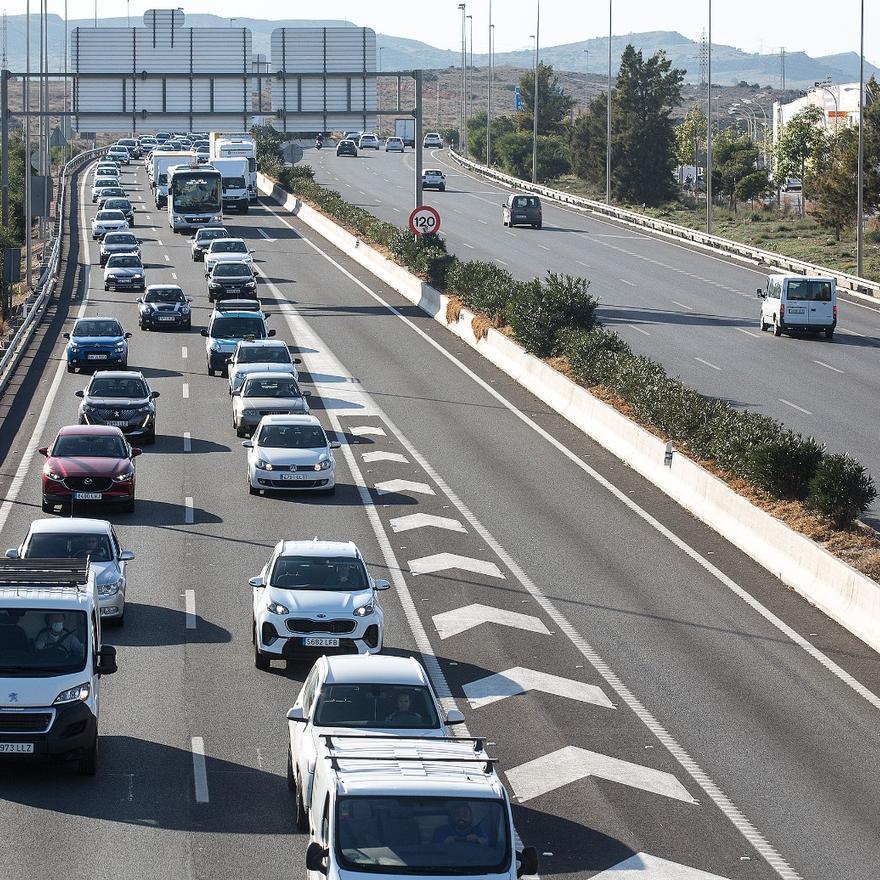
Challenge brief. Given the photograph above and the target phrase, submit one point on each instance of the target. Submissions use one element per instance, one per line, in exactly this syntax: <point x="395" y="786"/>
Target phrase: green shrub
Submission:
<point x="784" y="466"/>
<point x="841" y="489"/>
<point x="423" y="254"/>
<point x="482" y="286"/>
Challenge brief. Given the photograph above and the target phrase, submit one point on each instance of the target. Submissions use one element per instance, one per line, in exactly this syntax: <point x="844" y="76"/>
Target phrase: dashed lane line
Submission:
<point x="184" y="352"/>
<point x="187" y="441"/>
<point x="794" y="406"/>
<point x="190" y="609"/>
<point x="688" y="308"/>
<point x="638" y="329"/>
<point x="829" y="367"/>
<point x="200" y="770"/>
<point x="185" y="390"/>
<point x="708" y="364"/>
<point x="188" y="512"/>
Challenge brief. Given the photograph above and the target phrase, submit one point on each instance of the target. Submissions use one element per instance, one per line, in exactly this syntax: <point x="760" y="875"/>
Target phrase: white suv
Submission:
<point x="368" y="142"/>
<point x="432" y="140"/>
<point x="313" y="597"/>
<point x="379" y="696"/>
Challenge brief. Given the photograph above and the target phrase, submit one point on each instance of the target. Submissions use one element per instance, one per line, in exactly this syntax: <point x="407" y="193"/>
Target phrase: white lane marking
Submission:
<point x="730" y="810"/>
<point x="469" y="246"/>
<point x="571" y="764"/>
<point x="200" y="771"/>
<point x="366" y="431"/>
<point x="675" y="302"/>
<point x="425" y="520"/>
<point x="385" y="456"/>
<point x="153" y="229"/>
<point x="22" y="472"/>
<point x="630" y="283"/>
<point x="167" y="258"/>
<point x="828" y="367"/>
<point x="187" y="441"/>
<point x="390" y="486"/>
<point x="748" y="332"/>
<point x="267" y="237"/>
<point x="485" y="222"/>
<point x="520" y="680"/>
<point x="459" y="620"/>
<point x="794" y="406"/>
<point x="190" y="609"/>
<point x="707" y="364"/>
<point x="850" y="332"/>
<point x="185" y="390"/>
<point x="638" y="329"/>
<point x="188" y="513"/>
<point x="585" y="265"/>
<point x="397" y="210"/>
<point x="508" y="232"/>
<point x="174" y="275"/>
<point x="502" y="262"/>
<point x="644" y="866"/>
<point x="183" y="352"/>
<point x="543" y="247"/>
<point x="159" y="240"/>
<point x="149" y="218"/>
<point x="448" y="561"/>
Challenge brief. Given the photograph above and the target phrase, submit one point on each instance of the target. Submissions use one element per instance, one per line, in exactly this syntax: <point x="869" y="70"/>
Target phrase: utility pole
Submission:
<point x="708" y="129"/>
<point x="462" y="136"/>
<point x="489" y="90"/>
<point x="535" y="102"/>
<point x="860" y="200"/>
<point x="782" y="65"/>
<point x="419" y="136"/>
<point x="608" y="113"/>
<point x="586" y="79"/>
<point x="470" y="72"/>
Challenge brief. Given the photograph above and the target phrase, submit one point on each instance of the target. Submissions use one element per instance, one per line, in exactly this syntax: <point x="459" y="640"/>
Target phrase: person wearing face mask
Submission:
<point x="56" y="635"/>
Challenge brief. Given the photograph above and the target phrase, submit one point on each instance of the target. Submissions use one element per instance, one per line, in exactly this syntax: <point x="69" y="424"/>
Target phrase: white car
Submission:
<point x="434" y="178"/>
<point x="368" y="142"/>
<point x="263" y="356"/>
<point x="315" y="597"/>
<point x="78" y="538"/>
<point x="376" y="696"/>
<point x="102" y="183"/>
<point x="119" y="154"/>
<point x="290" y="452"/>
<point x="227" y="250"/>
<point x="108" y="221"/>
<point x="432" y="140"/>
<point x="106" y="171"/>
<point x="267" y="394"/>
<point x="394" y="145"/>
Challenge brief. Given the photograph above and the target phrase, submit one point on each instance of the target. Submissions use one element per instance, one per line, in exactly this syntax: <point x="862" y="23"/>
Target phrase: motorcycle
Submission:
<point x="319" y="142"/>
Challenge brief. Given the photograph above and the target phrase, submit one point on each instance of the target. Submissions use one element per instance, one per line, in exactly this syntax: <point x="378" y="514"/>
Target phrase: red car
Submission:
<point x="88" y="464"/>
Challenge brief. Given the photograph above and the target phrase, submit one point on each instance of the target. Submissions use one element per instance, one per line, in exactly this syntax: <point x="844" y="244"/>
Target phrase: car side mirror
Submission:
<point x="106" y="660"/>
<point x="43" y="450"/>
<point x="453" y="716"/>
<point x="528" y="861"/>
<point x="760" y="293"/>
<point x="272" y="332"/>
<point x="127" y="335"/>
<point x="248" y="444"/>
<point x="296" y="714"/>
<point x="189" y="299"/>
<point x="203" y="333"/>
<point x="306" y="393"/>
<point x="154" y="395"/>
<point x="297" y="360"/>
<point x="381" y="584"/>
<point x="126" y="556"/>
<point x="135" y="452"/>
<point x="140" y="300"/>
<point x="12" y="553"/>
<point x="315" y="857"/>
<point x="80" y="393"/>
<point x="65" y="335"/>
<point x="257" y="581"/>
<point x="335" y="444"/>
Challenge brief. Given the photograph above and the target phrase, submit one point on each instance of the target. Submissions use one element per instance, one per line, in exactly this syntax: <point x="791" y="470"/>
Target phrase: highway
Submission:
<point x="695" y="313"/>
<point x="677" y="704"/>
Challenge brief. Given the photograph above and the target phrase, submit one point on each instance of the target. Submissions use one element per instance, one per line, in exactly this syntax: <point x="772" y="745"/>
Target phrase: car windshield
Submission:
<point x="229" y="247"/>
<point x="114" y="238"/>
<point x="280" y="387"/>
<point x="89" y="446"/>
<point x="112" y="191"/>
<point x="110" y="215"/>
<point x="97" y="328"/>
<point x="118" y="204"/>
<point x="165" y="295"/>
<point x="105" y="180"/>
<point x="237" y="328"/>
<point x="62" y="545"/>
<point x="422" y="835"/>
<point x="809" y="290"/>
<point x="233" y="270"/>
<point x="233" y="182"/>
<point x="268" y="354"/>
<point x="329" y="573"/>
<point x="40" y="641"/>
<point x="124" y="261"/>
<point x="122" y="386"/>
<point x="208" y="234"/>
<point x="292" y="437"/>
<point x="376" y="706"/>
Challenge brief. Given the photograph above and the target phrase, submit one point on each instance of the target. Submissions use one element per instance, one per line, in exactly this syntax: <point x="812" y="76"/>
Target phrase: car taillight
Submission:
<point x="781" y="311"/>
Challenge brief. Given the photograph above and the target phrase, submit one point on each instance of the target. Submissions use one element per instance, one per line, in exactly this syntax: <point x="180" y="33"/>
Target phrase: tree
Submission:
<point x="554" y="104"/>
<point x="514" y="153"/>
<point x="832" y="180"/>
<point x="586" y="143"/>
<point x="476" y="129"/>
<point x="690" y="137"/>
<point x="734" y="168"/>
<point x="799" y="141"/>
<point x="643" y="140"/>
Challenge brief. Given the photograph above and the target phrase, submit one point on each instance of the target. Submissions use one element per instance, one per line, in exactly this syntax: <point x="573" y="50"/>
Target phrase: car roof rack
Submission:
<point x="45" y="572"/>
<point x="424" y="747"/>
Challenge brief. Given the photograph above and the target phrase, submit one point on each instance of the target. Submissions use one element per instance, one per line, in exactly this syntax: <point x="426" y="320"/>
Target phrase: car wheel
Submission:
<point x="252" y="490"/>
<point x="88" y="763"/>
<point x="150" y="438"/>
<point x="106" y="287"/>
<point x="71" y="368"/>
<point x="762" y="325"/>
<point x="301" y="817"/>
<point x="777" y="330"/>
<point x="261" y="661"/>
<point x="443" y="189"/>
<point x="829" y="333"/>
<point x="239" y="431"/>
<point x="539" y="225"/>
<point x="210" y="371"/>
<point x="291" y="780"/>
<point x="128" y="507"/>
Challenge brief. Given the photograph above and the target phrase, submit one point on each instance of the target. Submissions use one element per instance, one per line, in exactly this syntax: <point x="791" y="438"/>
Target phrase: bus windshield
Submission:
<point x="196" y="192"/>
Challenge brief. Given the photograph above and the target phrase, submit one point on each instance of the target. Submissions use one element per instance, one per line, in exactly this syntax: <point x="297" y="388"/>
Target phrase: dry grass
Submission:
<point x="453" y="309"/>
<point x="481" y="325"/>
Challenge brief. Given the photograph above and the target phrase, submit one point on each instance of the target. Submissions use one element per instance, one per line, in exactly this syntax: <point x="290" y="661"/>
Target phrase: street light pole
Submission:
<point x="462" y="136"/>
<point x="489" y="90"/>
<point x="860" y="200"/>
<point x="709" y="128"/>
<point x="535" y="101"/>
<point x="27" y="147"/>
<point x="470" y="71"/>
<point x="608" y="113"/>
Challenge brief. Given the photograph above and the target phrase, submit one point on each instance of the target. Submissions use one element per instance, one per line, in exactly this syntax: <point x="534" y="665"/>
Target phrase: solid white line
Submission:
<point x="585" y="265"/>
<point x="185" y="390"/>
<point x="190" y="609"/>
<point x="828" y="366"/>
<point x="187" y="441"/>
<point x="468" y="245"/>
<point x="638" y="329"/>
<point x="188" y="517"/>
<point x="794" y="406"/>
<point x="675" y="302"/>
<point x="630" y="283"/>
<point x="200" y="771"/>
<point x="183" y="352"/>
<point x="850" y="332"/>
<point x="503" y="263"/>
<point x="748" y="332"/>
<point x="543" y="247"/>
<point x="706" y="363"/>
<point x="268" y="238"/>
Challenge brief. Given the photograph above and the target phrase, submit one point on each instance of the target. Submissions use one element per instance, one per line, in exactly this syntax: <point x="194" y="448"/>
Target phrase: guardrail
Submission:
<point x="35" y="306"/>
<point x="769" y="259"/>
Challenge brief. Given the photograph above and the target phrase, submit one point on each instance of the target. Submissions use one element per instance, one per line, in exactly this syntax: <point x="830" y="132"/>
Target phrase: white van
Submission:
<point x="389" y="806"/>
<point x="799" y="302"/>
<point x="51" y="661"/>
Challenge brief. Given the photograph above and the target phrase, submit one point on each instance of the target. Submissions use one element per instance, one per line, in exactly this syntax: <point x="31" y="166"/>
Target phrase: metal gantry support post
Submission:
<point x="419" y="136"/>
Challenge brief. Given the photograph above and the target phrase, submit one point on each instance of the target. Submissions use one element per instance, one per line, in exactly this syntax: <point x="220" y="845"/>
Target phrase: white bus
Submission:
<point x="195" y="197"/>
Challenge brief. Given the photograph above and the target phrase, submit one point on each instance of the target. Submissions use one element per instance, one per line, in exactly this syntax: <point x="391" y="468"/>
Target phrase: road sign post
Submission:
<point x="424" y="220"/>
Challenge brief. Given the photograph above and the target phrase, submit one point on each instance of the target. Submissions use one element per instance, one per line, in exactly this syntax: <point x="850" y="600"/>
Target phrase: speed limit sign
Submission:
<point x="424" y="220"/>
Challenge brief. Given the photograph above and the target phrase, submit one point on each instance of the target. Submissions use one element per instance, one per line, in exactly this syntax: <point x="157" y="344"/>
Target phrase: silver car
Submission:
<point x="266" y="394"/>
<point x="263" y="356"/>
<point x="119" y="243"/>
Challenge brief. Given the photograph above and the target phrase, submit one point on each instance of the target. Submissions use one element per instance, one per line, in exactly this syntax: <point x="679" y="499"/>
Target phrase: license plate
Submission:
<point x="796" y="311"/>
<point x="86" y="496"/>
<point x="233" y="289"/>
<point x="96" y="357"/>
<point x="295" y="477"/>
<point x="16" y="748"/>
<point x="319" y="642"/>
<point x="116" y="424"/>
<point x="167" y="318"/>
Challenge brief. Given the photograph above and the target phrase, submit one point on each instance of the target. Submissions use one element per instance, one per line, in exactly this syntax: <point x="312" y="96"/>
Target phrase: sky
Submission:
<point x="818" y="28"/>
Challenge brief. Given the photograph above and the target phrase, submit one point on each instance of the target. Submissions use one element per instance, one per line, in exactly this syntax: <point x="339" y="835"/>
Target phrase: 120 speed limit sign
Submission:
<point x="424" y="220"/>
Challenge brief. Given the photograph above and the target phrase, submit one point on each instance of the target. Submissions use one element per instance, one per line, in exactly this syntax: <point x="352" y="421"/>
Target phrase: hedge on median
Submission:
<point x="556" y="316"/>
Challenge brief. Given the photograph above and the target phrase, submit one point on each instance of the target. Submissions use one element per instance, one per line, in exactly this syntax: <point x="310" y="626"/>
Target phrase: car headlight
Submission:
<point x="277" y="608"/>
<point x="184" y="310"/>
<point x="121" y="346"/>
<point x="144" y="408"/>
<point x="324" y="465"/>
<point x="264" y="465"/>
<point x="124" y="478"/>
<point x="215" y="346"/>
<point x="72" y="695"/>
<point x="110" y="589"/>
<point x="54" y="475"/>
<point x="365" y="610"/>
<point x="89" y="408"/>
<point x="214" y="285"/>
<point x="72" y="346"/>
<point x="250" y="413"/>
<point x="178" y="219"/>
<point x="137" y="276"/>
<point x="251" y="284"/>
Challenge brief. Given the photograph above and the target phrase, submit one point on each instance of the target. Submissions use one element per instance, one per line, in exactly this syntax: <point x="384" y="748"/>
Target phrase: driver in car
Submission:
<point x="404" y="713"/>
<point x="56" y="635"/>
<point x="93" y="549"/>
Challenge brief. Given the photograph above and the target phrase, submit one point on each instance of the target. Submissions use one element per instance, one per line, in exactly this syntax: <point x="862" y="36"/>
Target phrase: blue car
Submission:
<point x="97" y="342"/>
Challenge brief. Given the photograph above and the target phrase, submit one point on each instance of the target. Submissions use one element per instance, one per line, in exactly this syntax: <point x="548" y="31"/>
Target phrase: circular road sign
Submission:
<point x="424" y="220"/>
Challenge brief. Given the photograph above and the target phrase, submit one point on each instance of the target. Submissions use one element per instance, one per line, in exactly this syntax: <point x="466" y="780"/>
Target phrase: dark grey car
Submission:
<point x="119" y="243"/>
<point x="521" y="210"/>
<point x="121" y="398"/>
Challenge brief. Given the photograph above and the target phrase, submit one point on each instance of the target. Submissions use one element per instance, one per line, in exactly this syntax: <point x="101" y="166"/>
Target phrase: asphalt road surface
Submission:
<point x="672" y="704"/>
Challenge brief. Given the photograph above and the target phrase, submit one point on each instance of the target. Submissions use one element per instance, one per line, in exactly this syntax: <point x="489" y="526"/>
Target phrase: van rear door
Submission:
<point x="810" y="301"/>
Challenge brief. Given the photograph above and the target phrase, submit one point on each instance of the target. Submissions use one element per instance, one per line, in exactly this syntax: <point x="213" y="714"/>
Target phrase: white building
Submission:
<point x="838" y="102"/>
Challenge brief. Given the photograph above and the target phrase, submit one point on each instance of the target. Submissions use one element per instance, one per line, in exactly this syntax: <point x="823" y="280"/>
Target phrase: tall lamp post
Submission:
<point x="462" y="136"/>
<point x="757" y="104"/>
<point x="608" y="112"/>
<point x="470" y="72"/>
<point x="860" y="174"/>
<point x="709" y="128"/>
<point x="825" y="85"/>
<point x="381" y="49"/>
<point x="489" y="90"/>
<point x="535" y="100"/>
